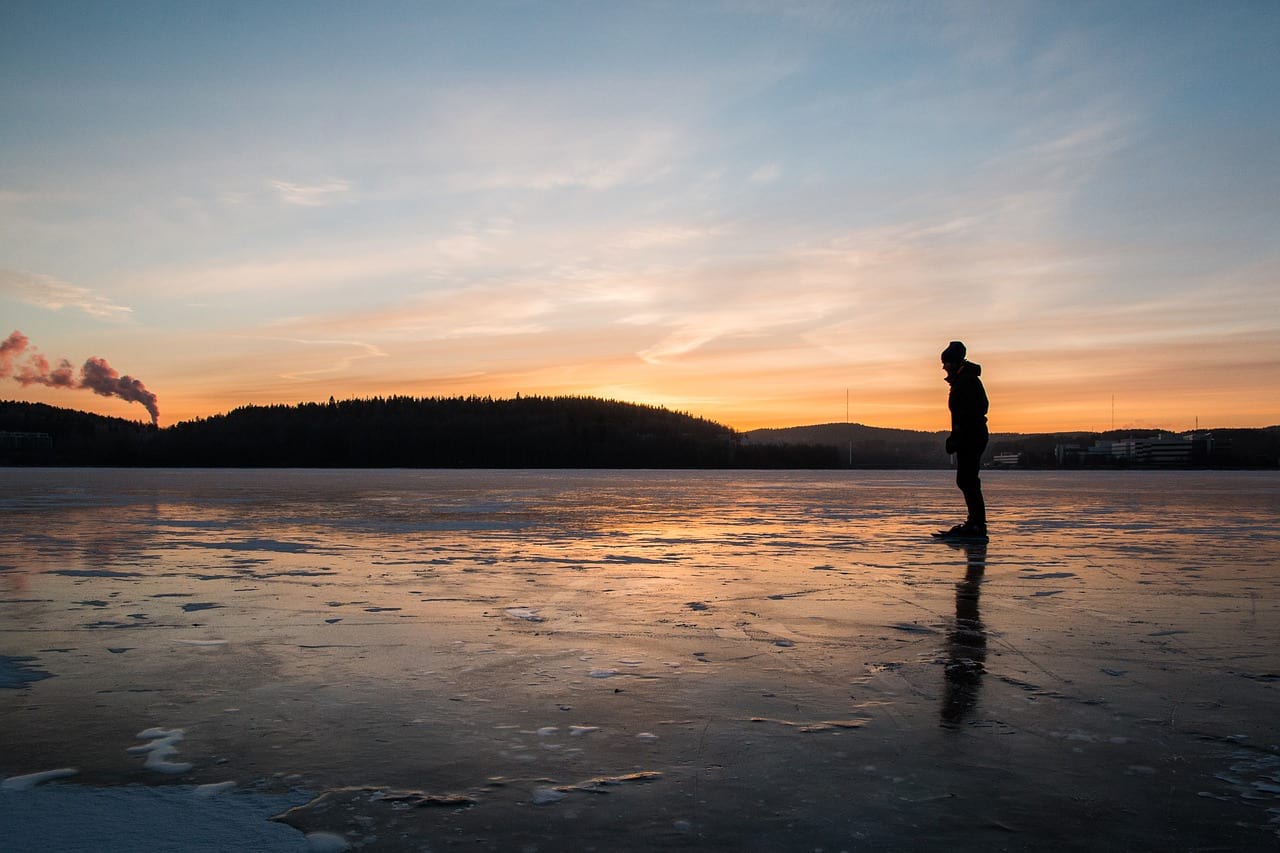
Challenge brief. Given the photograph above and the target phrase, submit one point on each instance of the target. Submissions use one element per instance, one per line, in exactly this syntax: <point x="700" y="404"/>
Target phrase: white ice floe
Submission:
<point x="603" y="673"/>
<point x="30" y="780"/>
<point x="528" y="614"/>
<point x="579" y="731"/>
<point x="203" y="642"/>
<point x="162" y="747"/>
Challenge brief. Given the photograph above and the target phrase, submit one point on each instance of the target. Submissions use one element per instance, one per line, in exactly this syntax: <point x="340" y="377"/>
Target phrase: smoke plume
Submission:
<point x="26" y="366"/>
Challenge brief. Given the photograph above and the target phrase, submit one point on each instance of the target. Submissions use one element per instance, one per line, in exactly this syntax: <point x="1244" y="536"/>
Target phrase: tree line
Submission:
<point x="524" y="432"/>
<point x="408" y="432"/>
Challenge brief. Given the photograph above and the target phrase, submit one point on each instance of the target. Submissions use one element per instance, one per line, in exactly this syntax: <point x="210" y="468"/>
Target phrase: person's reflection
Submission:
<point x="966" y="641"/>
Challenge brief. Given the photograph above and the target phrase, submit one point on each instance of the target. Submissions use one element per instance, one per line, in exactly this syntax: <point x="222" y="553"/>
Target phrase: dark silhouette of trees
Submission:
<point x="393" y="432"/>
<point x="525" y="432"/>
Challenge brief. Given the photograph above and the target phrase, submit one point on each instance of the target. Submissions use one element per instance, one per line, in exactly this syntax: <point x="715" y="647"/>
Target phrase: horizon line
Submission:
<point x="521" y="396"/>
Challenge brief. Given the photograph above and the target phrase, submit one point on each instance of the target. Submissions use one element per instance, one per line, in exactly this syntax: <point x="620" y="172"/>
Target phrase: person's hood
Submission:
<point x="971" y="371"/>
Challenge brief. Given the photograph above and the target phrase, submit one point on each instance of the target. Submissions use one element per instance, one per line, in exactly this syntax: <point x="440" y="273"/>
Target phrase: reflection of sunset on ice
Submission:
<point x="560" y="660"/>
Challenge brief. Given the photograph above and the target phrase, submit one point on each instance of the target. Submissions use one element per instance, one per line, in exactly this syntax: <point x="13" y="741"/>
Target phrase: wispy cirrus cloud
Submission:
<point x="334" y="264"/>
<point x="564" y="133"/>
<point x="45" y="291"/>
<point x="310" y="195"/>
<point x="355" y="351"/>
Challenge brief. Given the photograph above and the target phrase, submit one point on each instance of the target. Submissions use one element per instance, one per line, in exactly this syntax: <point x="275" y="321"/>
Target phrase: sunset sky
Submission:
<point x="746" y="210"/>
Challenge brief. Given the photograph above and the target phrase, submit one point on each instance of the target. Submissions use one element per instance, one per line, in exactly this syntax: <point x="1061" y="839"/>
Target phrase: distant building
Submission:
<point x="1068" y="454"/>
<point x="26" y="440"/>
<point x="1006" y="460"/>
<point x="1158" y="451"/>
<point x="1174" y="450"/>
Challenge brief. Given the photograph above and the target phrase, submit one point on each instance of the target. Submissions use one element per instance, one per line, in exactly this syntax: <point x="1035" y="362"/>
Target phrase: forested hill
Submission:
<point x="467" y="432"/>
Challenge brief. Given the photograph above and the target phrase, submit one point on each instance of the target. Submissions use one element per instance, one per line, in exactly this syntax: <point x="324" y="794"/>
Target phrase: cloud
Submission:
<point x="45" y="291"/>
<point x="342" y="364"/>
<point x="336" y="264"/>
<point x="822" y="15"/>
<point x="595" y="134"/>
<point x="581" y="262"/>
<point x="555" y="157"/>
<point x="656" y="236"/>
<point x="766" y="174"/>
<point x="310" y="195"/>
<point x="730" y="305"/>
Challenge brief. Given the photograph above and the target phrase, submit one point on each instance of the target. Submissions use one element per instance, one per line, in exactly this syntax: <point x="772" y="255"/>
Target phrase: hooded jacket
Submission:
<point x="968" y="404"/>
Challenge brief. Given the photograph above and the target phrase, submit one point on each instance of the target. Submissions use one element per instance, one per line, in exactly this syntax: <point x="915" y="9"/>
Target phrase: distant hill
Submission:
<point x="869" y="447"/>
<point x="876" y="447"/>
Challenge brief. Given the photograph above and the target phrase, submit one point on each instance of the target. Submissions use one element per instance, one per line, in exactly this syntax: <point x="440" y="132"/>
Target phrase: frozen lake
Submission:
<point x="565" y="660"/>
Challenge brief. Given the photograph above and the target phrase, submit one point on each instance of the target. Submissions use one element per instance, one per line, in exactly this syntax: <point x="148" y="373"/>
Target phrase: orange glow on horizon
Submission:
<point x="1017" y="407"/>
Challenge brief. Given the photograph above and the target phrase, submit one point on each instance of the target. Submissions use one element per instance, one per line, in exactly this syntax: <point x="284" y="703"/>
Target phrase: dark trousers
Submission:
<point x="968" y="463"/>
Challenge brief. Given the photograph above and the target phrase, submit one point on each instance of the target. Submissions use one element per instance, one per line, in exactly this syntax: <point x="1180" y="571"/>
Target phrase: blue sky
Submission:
<point x="738" y="209"/>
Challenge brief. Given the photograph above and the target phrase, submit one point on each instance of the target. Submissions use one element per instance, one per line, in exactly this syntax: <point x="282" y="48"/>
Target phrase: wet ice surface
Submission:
<point x="623" y="660"/>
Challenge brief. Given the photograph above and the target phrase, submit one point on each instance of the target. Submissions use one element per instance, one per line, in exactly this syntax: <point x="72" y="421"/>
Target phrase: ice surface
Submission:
<point x="138" y="819"/>
<point x="791" y="654"/>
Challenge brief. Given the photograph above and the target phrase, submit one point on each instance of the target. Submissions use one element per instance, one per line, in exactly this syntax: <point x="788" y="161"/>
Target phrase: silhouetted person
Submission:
<point x="967" y="640"/>
<point x="968" y="404"/>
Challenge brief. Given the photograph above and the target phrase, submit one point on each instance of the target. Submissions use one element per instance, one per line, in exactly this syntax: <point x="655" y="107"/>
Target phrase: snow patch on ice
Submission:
<point x="30" y="780"/>
<point x="213" y="789"/>
<point x="597" y="785"/>
<point x="528" y="614"/>
<point x="326" y="842"/>
<point x="162" y="747"/>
